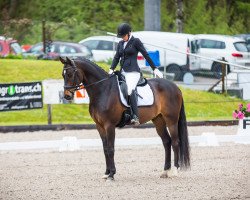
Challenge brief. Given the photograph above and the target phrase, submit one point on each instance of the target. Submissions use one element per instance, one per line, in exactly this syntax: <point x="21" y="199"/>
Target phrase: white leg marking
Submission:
<point x="105" y="176"/>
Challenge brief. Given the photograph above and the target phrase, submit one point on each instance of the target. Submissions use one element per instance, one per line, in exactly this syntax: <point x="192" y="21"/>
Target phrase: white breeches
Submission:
<point x="132" y="79"/>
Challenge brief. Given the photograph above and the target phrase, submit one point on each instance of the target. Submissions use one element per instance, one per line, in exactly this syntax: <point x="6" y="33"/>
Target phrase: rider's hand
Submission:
<point x="111" y="71"/>
<point x="158" y="73"/>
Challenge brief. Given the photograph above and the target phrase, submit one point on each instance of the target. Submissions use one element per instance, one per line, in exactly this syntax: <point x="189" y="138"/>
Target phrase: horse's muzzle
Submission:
<point x="68" y="95"/>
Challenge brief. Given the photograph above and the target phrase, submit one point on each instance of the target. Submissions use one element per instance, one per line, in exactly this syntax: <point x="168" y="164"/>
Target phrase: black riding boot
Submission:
<point x="134" y="108"/>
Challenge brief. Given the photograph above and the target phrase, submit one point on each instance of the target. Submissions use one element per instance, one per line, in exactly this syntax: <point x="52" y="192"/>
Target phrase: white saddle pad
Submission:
<point x="145" y="92"/>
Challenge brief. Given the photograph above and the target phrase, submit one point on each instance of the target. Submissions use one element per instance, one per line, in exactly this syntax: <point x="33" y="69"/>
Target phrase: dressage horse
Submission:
<point x="167" y="112"/>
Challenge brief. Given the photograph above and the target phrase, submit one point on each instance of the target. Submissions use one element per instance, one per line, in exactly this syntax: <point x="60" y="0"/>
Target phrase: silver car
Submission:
<point x="58" y="48"/>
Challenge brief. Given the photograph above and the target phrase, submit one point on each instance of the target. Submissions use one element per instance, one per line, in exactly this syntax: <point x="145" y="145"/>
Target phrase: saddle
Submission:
<point x="123" y="85"/>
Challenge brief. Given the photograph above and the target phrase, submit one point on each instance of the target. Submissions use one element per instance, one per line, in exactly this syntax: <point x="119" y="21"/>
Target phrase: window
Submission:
<point x="52" y="48"/>
<point x="1" y="48"/>
<point x="212" y="44"/>
<point x="195" y="46"/>
<point x="66" y="49"/>
<point x="85" y="50"/>
<point x="105" y="45"/>
<point x="91" y="44"/>
<point x="241" y="46"/>
<point x="37" y="49"/>
<point x="15" y="48"/>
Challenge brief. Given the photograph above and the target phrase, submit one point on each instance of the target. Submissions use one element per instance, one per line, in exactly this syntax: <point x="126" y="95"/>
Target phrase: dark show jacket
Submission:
<point x="128" y="55"/>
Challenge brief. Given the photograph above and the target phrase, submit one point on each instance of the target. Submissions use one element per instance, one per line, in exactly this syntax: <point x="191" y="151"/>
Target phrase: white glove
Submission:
<point x="158" y="73"/>
<point x="111" y="71"/>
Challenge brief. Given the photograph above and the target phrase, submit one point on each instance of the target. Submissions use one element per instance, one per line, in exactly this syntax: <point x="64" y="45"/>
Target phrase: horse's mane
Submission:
<point x="92" y="64"/>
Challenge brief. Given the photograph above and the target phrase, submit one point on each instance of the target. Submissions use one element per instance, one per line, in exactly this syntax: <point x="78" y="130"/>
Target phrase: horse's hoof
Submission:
<point x="173" y="172"/>
<point x="105" y="176"/>
<point x="110" y="179"/>
<point x="164" y="174"/>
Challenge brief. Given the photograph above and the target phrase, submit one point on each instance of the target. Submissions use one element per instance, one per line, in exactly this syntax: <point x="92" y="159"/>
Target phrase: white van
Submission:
<point x="233" y="49"/>
<point x="172" y="48"/>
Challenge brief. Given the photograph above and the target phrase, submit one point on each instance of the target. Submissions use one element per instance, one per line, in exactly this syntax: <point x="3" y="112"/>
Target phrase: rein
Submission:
<point x="81" y="86"/>
<point x="95" y="83"/>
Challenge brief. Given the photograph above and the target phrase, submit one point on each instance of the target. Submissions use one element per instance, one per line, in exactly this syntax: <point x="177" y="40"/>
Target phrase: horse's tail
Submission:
<point x="183" y="139"/>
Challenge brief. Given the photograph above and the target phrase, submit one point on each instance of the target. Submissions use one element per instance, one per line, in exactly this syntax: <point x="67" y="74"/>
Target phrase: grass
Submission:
<point x="199" y="105"/>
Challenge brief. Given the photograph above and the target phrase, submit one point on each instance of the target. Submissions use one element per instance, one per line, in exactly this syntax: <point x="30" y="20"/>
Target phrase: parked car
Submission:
<point x="233" y="49"/>
<point x="9" y="46"/>
<point x="59" y="48"/>
<point x="103" y="47"/>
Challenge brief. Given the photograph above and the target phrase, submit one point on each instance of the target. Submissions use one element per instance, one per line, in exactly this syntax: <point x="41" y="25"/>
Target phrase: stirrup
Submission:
<point x="135" y="121"/>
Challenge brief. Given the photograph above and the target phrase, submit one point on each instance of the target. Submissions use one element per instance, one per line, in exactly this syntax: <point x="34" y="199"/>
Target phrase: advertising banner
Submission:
<point x="20" y="96"/>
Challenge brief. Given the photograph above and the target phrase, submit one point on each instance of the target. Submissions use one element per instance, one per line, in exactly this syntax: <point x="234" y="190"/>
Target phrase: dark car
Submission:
<point x="59" y="48"/>
<point x="9" y="46"/>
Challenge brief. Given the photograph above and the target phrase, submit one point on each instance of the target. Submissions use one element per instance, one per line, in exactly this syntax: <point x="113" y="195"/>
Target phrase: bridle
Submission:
<point x="79" y="86"/>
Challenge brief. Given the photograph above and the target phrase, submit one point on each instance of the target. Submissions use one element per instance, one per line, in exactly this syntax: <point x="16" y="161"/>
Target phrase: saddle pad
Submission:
<point x="145" y="92"/>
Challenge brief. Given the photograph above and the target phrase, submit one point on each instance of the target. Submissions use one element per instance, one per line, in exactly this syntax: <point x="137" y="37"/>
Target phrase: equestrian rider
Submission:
<point x="126" y="53"/>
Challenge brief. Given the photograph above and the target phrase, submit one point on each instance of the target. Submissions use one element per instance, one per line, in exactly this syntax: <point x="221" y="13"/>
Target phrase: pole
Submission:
<point x="49" y="109"/>
<point x="44" y="36"/>
<point x="223" y="75"/>
<point x="165" y="65"/>
<point x="226" y="68"/>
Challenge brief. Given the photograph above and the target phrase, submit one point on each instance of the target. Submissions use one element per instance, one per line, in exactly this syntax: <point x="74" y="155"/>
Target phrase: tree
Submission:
<point x="179" y="16"/>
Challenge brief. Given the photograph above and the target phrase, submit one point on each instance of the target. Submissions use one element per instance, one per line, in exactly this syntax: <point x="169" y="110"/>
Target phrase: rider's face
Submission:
<point x="125" y="38"/>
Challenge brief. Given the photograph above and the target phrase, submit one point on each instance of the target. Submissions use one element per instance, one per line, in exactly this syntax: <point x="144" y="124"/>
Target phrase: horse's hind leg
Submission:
<point x="166" y="140"/>
<point x="173" y="129"/>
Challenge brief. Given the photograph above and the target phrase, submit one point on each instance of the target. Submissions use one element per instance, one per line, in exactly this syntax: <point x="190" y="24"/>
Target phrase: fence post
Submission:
<point x="49" y="109"/>
<point x="164" y="75"/>
<point x="223" y="75"/>
<point x="44" y="36"/>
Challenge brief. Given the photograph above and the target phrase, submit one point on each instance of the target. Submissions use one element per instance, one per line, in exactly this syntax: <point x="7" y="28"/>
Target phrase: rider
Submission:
<point x="126" y="53"/>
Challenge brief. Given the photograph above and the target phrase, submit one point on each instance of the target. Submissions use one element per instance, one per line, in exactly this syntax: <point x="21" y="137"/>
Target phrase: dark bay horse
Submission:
<point x="167" y="113"/>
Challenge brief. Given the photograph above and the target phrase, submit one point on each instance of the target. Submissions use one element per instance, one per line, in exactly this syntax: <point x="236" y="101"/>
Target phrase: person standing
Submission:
<point x="127" y="51"/>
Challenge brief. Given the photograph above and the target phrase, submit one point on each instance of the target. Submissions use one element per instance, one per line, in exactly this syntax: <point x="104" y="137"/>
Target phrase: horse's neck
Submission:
<point x="101" y="92"/>
<point x="96" y="88"/>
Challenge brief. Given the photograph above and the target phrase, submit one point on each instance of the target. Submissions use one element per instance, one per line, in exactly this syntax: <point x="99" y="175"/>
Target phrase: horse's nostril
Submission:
<point x="67" y="97"/>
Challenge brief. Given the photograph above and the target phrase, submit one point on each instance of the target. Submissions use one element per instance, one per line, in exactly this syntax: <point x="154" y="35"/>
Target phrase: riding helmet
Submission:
<point x="123" y="29"/>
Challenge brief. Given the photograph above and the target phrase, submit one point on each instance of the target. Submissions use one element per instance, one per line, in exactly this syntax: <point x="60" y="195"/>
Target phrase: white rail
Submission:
<point x="72" y="143"/>
<point x="191" y="54"/>
<point x="203" y="57"/>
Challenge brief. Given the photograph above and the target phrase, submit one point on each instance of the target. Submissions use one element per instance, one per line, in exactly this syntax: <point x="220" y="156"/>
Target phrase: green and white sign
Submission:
<point x="20" y="96"/>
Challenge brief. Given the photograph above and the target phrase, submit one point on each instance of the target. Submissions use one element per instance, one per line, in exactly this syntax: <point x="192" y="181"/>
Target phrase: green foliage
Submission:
<point x="75" y="20"/>
<point x="199" y="105"/>
<point x="12" y="56"/>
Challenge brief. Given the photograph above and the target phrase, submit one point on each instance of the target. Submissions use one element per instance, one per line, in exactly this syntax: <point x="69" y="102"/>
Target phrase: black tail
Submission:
<point x="183" y="137"/>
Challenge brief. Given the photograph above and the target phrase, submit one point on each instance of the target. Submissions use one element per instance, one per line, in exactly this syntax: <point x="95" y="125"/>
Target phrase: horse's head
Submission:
<point x="72" y="78"/>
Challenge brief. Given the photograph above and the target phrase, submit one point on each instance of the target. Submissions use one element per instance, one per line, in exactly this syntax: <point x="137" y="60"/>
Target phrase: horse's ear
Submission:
<point x="63" y="61"/>
<point x="69" y="61"/>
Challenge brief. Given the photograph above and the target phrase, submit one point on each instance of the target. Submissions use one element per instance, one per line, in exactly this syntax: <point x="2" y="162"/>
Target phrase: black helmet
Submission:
<point x="123" y="29"/>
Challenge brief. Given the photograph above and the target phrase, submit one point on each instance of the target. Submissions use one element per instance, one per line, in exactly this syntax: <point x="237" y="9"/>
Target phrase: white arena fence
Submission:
<point x="74" y="144"/>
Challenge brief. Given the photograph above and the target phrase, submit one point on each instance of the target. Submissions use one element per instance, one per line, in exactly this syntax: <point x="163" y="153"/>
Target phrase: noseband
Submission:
<point x="75" y="86"/>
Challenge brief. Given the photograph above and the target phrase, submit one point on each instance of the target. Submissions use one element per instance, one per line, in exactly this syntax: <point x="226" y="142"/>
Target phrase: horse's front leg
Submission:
<point x="108" y="137"/>
<point x="110" y="150"/>
<point x="102" y="134"/>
